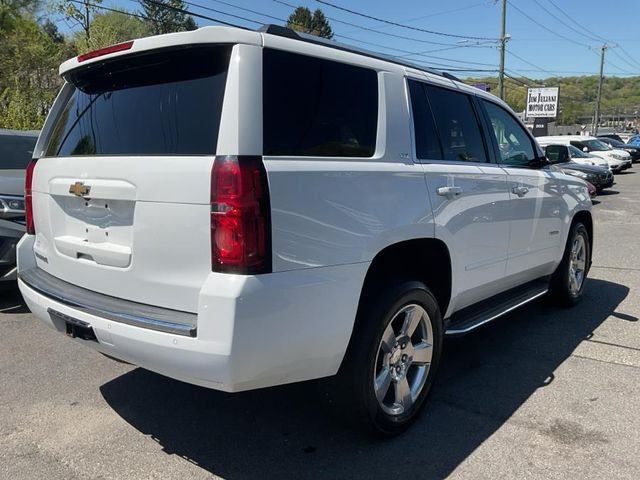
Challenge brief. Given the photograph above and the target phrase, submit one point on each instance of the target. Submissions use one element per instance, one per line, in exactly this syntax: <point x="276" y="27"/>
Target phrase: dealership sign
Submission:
<point x="542" y="102"/>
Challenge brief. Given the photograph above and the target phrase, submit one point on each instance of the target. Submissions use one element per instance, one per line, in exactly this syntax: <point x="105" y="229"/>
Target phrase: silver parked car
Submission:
<point x="16" y="148"/>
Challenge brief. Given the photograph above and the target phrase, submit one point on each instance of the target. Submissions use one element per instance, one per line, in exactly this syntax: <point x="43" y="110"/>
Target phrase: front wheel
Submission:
<point x="569" y="279"/>
<point x="392" y="358"/>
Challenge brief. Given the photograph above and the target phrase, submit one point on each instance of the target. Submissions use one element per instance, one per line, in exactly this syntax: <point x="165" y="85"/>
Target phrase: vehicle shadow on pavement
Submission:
<point x="286" y="432"/>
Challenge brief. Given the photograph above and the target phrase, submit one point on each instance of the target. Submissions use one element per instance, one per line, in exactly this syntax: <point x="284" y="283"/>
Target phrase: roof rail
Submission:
<point x="281" y="31"/>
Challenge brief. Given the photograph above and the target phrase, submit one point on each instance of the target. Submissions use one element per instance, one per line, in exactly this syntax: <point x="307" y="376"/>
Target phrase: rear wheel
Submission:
<point x="569" y="279"/>
<point x="392" y="358"/>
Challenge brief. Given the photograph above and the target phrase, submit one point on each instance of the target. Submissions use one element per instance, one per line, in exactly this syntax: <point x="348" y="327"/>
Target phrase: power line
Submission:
<point x="216" y="11"/>
<point x="579" y="32"/>
<point x="532" y="81"/>
<point x="114" y="10"/>
<point x="369" y="29"/>
<point x="430" y="64"/>
<point x="422" y="17"/>
<point x="592" y="36"/>
<point x="625" y="61"/>
<point x="529" y="63"/>
<point x="571" y="19"/>
<point x="545" y="27"/>
<point x="623" y="70"/>
<point x="193" y="14"/>
<point x="628" y="55"/>
<point x="371" y="17"/>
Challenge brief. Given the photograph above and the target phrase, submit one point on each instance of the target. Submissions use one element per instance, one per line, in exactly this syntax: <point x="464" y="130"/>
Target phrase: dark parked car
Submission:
<point x="559" y="157"/>
<point x="612" y="136"/>
<point x="16" y="148"/>
<point x="634" y="150"/>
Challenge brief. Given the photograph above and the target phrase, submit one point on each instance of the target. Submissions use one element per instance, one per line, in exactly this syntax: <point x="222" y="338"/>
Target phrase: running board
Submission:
<point x="472" y="317"/>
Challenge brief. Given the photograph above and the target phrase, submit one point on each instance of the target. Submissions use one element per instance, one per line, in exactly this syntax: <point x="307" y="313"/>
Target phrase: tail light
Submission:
<point x="28" y="198"/>
<point x="240" y="216"/>
<point x="105" y="51"/>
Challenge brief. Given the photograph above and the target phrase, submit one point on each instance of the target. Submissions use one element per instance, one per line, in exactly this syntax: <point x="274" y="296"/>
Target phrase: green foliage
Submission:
<point x="577" y="95"/>
<point x="10" y="10"/>
<point x="79" y="13"/>
<point x="29" y="61"/>
<point x="302" y="20"/>
<point x="166" y="20"/>
<point x="109" y="28"/>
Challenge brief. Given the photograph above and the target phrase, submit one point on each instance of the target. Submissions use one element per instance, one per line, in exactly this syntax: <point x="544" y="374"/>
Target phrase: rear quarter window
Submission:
<point x="163" y="102"/>
<point x="317" y="107"/>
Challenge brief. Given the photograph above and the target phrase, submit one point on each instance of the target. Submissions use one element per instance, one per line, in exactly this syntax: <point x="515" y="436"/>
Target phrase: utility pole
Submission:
<point x="596" y="117"/>
<point x="503" y="42"/>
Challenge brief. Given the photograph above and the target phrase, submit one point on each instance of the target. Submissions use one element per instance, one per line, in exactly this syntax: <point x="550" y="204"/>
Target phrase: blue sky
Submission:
<point x="561" y="37"/>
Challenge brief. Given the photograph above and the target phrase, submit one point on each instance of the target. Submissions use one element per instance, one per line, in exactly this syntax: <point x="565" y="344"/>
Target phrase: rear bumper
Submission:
<point x="252" y="331"/>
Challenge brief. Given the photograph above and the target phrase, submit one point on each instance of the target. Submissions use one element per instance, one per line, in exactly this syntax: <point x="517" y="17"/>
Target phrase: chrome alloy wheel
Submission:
<point x="577" y="264"/>
<point x="403" y="359"/>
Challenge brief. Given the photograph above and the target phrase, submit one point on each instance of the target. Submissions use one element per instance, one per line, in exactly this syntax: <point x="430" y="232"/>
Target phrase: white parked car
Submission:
<point x="578" y="156"/>
<point x="240" y="209"/>
<point x="617" y="160"/>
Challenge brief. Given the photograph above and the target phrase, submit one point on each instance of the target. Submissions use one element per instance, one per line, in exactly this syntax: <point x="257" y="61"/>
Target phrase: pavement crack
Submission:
<point x="605" y="361"/>
<point x="628" y="269"/>
<point x="613" y="344"/>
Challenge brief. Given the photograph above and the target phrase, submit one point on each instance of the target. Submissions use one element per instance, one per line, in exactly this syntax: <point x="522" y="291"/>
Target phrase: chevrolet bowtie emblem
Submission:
<point x="79" y="189"/>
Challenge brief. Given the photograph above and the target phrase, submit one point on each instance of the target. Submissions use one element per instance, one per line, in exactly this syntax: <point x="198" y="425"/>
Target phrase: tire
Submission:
<point x="568" y="281"/>
<point x="393" y="355"/>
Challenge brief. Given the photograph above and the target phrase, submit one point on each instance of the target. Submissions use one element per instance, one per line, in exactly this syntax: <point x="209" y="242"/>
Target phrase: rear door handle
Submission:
<point x="520" y="191"/>
<point x="447" y="191"/>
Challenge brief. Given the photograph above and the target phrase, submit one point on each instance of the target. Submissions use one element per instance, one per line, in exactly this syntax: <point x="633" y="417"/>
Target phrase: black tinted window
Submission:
<point x="160" y="103"/>
<point x="457" y="124"/>
<point x="515" y="145"/>
<point x="427" y="141"/>
<point x="315" y="107"/>
<point x="557" y="153"/>
<point x="16" y="150"/>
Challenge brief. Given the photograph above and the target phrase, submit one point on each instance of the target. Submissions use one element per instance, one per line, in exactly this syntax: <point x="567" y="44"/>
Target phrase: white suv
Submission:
<point x="240" y="209"/>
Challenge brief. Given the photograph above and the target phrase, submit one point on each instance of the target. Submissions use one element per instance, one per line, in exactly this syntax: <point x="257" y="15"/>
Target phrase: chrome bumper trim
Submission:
<point x="105" y="306"/>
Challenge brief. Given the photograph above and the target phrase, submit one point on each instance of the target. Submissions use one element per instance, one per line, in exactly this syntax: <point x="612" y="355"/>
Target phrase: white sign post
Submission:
<point x="542" y="102"/>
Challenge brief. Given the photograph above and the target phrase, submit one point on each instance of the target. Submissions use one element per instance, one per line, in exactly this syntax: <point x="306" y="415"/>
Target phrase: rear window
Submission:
<point x="317" y="107"/>
<point x="166" y="102"/>
<point x="16" y="150"/>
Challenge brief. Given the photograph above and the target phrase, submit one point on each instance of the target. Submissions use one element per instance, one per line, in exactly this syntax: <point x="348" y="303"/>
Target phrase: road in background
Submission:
<point x="542" y="393"/>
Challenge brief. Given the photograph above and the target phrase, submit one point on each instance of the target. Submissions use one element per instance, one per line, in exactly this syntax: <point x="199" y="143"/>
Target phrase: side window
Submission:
<point x="457" y="124"/>
<point x="427" y="142"/>
<point x="516" y="147"/>
<point x="557" y="153"/>
<point x="579" y="145"/>
<point x="316" y="107"/>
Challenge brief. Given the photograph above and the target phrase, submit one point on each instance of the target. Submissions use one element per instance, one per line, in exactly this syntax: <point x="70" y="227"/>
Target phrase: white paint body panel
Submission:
<point x="330" y="217"/>
<point x="473" y="225"/>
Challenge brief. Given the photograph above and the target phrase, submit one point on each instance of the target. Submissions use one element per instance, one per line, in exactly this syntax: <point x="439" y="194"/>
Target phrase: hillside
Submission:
<point x="577" y="94"/>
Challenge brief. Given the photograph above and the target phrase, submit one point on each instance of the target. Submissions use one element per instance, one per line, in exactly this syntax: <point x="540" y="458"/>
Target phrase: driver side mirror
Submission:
<point x="585" y="149"/>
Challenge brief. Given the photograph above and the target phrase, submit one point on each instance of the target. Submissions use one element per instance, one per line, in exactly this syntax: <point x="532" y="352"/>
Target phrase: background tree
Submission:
<point x="79" y="13"/>
<point x="164" y="16"/>
<point x="302" y="20"/>
<point x="109" y="28"/>
<point x="29" y="60"/>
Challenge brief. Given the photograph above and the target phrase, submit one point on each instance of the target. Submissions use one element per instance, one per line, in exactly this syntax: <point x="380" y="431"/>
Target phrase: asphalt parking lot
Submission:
<point x="541" y="393"/>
